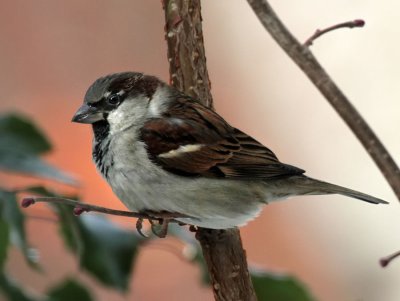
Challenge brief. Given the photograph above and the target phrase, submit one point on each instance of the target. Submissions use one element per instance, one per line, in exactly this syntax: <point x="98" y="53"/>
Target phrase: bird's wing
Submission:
<point x="193" y="140"/>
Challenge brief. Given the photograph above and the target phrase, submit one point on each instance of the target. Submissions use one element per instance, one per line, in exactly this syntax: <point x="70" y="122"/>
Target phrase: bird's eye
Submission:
<point x="114" y="99"/>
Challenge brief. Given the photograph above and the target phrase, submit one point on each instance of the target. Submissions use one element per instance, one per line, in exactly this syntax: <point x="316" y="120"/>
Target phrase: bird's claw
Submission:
<point x="162" y="224"/>
<point x="139" y="227"/>
<point x="160" y="229"/>
<point x="159" y="222"/>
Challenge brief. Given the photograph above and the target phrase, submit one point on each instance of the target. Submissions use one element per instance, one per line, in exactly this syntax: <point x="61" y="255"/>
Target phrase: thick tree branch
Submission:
<point x="227" y="265"/>
<point x="302" y="56"/>
<point x="222" y="249"/>
<point x="186" y="54"/>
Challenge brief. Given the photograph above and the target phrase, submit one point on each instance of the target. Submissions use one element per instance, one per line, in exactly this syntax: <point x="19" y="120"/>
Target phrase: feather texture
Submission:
<point x="220" y="150"/>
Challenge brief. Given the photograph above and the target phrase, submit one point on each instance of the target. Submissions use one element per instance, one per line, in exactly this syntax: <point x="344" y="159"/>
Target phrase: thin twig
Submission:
<point x="319" y="32"/>
<point x="386" y="260"/>
<point x="80" y="208"/>
<point x="307" y="62"/>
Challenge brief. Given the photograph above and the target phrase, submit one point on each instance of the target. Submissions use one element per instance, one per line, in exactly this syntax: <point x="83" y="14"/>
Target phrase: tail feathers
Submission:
<point x="317" y="187"/>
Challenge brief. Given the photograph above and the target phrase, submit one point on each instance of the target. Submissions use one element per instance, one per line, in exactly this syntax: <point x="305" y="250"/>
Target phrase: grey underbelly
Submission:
<point x="212" y="203"/>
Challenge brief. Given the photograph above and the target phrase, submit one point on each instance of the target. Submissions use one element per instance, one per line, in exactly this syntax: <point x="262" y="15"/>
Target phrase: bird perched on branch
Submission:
<point x="163" y="152"/>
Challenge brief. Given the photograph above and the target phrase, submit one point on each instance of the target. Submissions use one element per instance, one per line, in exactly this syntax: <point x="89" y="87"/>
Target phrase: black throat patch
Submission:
<point x="101" y="131"/>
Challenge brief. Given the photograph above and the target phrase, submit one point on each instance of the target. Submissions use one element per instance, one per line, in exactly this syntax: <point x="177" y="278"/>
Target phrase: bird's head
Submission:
<point x="121" y="100"/>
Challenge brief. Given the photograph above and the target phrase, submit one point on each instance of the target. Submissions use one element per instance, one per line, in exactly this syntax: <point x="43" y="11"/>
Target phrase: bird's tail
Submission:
<point x="317" y="187"/>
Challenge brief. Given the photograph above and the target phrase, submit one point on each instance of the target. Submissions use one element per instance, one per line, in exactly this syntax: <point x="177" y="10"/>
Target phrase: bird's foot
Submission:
<point x="160" y="228"/>
<point x="139" y="227"/>
<point x="159" y="222"/>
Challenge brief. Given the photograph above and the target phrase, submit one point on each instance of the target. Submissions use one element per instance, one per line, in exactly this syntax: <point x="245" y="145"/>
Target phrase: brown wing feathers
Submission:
<point x="193" y="140"/>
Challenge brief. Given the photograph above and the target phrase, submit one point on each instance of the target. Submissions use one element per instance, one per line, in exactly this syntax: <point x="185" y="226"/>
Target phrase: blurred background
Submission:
<point x="51" y="51"/>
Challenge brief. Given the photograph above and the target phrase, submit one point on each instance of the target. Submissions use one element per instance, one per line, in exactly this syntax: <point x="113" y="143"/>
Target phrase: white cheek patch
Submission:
<point x="130" y="112"/>
<point x="116" y="120"/>
<point x="181" y="150"/>
<point x="115" y="116"/>
<point x="154" y="108"/>
<point x="158" y="102"/>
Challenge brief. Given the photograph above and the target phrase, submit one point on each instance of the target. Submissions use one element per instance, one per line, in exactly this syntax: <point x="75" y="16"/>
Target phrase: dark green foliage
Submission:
<point x="270" y="286"/>
<point x="21" y="143"/>
<point x="4" y="240"/>
<point x="104" y="249"/>
<point x="14" y="221"/>
<point x="69" y="290"/>
<point x="18" y="133"/>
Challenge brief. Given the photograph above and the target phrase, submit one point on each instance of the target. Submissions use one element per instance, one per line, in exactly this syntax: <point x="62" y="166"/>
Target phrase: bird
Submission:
<point x="164" y="152"/>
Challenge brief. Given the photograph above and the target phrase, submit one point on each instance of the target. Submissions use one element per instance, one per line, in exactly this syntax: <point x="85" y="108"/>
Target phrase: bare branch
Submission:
<point x="80" y="207"/>
<point x="318" y="32"/>
<point x="307" y="62"/>
<point x="386" y="260"/>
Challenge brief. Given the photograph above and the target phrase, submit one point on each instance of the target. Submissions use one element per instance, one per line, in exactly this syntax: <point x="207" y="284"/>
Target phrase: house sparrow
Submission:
<point x="163" y="151"/>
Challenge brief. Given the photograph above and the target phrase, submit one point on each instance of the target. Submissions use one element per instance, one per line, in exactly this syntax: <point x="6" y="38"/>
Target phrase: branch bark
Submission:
<point x="186" y="54"/>
<point x="302" y="56"/>
<point x="222" y="249"/>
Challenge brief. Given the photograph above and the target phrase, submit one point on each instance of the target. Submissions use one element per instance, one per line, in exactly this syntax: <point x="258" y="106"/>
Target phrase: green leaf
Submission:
<point x="19" y="133"/>
<point x="69" y="290"/>
<point x="20" y="144"/>
<point x="30" y="164"/>
<point x="278" y="287"/>
<point x="105" y="250"/>
<point x="4" y="239"/>
<point x="13" y="291"/>
<point x="12" y="215"/>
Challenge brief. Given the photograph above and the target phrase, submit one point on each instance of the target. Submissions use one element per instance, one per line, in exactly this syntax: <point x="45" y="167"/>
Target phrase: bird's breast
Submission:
<point x="142" y="185"/>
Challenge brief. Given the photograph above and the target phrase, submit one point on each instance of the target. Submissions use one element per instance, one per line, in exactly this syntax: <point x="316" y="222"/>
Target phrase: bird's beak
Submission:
<point x="87" y="114"/>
